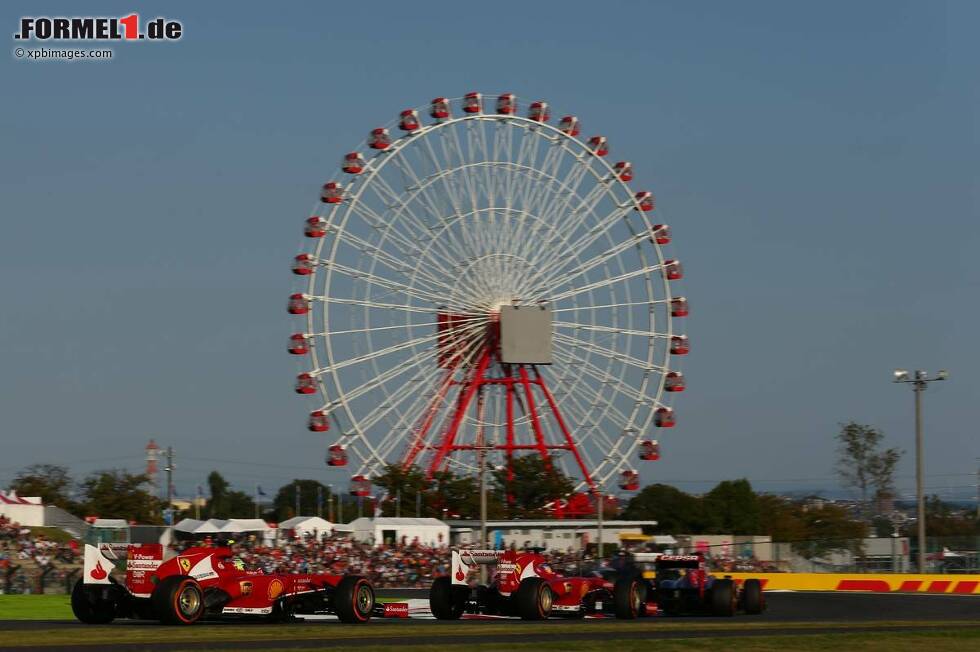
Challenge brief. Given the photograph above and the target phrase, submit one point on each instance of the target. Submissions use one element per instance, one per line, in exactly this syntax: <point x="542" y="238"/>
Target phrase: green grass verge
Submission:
<point x="252" y="632"/>
<point x="938" y="641"/>
<point x="35" y="607"/>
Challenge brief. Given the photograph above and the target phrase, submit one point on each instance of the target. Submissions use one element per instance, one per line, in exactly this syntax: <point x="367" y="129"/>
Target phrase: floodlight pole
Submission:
<point x="919" y="380"/>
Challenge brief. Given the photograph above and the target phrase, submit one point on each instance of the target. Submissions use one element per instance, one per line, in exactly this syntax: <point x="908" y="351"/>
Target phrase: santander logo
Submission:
<point x="460" y="575"/>
<point x="98" y="573"/>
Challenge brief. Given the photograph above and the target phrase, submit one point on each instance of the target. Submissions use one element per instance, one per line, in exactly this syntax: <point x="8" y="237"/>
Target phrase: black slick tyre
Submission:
<point x="753" y="601"/>
<point x="90" y="604"/>
<point x="354" y="599"/>
<point x="533" y="599"/>
<point x="723" y="598"/>
<point x="629" y="598"/>
<point x="178" y="600"/>
<point x="446" y="601"/>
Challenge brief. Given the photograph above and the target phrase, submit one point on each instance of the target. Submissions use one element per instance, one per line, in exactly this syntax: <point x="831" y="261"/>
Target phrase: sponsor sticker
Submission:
<point x="275" y="589"/>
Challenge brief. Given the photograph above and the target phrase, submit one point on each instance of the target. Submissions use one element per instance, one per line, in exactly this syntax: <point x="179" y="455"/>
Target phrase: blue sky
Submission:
<point x="818" y="163"/>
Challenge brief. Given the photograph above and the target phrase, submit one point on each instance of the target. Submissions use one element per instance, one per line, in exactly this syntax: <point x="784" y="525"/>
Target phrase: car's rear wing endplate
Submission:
<point x="465" y="561"/>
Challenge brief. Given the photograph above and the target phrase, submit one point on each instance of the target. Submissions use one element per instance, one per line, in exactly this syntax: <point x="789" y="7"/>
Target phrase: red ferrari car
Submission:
<point x="206" y="581"/>
<point x="524" y="584"/>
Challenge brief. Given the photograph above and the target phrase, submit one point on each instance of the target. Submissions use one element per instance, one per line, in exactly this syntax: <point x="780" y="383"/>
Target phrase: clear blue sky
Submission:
<point x="818" y="162"/>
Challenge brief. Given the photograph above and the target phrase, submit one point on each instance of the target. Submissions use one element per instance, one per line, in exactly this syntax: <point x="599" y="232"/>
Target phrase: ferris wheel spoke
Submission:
<point x="604" y="378"/>
<point x="624" y="304"/>
<point x="605" y="282"/>
<point x="644" y="365"/>
<point x="379" y="281"/>
<point x="593" y="262"/>
<point x="608" y="329"/>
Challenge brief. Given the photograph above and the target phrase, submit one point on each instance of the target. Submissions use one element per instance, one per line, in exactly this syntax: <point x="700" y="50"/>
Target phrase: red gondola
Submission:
<point x="305" y="384"/>
<point x="599" y="145"/>
<point x="316" y="227"/>
<point x="645" y="200"/>
<point x="298" y="305"/>
<point x="360" y="486"/>
<point x="569" y="125"/>
<point x="650" y="450"/>
<point x="379" y="139"/>
<point x="679" y="345"/>
<point x="332" y="193"/>
<point x="664" y="418"/>
<point x="409" y="120"/>
<point x="336" y="456"/>
<point x="538" y="112"/>
<point x="660" y="233"/>
<point x="298" y="344"/>
<point x="673" y="270"/>
<point x="678" y="307"/>
<point x="624" y="170"/>
<point x="674" y="382"/>
<point x="439" y="108"/>
<point x="506" y="104"/>
<point x="472" y="103"/>
<point x="303" y="265"/>
<point x="629" y="481"/>
<point x="353" y="163"/>
<point x="319" y="421"/>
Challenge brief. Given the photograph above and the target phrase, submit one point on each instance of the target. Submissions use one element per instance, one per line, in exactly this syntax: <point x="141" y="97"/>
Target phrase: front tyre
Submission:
<point x="353" y="599"/>
<point x="629" y="598"/>
<point x="533" y="599"/>
<point x="178" y="600"/>
<point x="446" y="601"/>
<point x="91" y="604"/>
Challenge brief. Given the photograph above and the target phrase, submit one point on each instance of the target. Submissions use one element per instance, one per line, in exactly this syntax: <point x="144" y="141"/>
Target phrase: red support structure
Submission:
<point x="489" y="372"/>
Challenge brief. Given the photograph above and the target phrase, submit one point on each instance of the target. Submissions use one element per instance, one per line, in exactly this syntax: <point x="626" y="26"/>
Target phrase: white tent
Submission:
<point x="188" y="525"/>
<point x="308" y="525"/>
<point x="245" y="525"/>
<point x="427" y="531"/>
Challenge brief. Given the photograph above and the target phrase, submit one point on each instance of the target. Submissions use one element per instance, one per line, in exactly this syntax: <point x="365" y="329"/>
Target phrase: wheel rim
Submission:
<point x="364" y="600"/>
<point x="635" y="598"/>
<point x="189" y="600"/>
<point x="545" y="600"/>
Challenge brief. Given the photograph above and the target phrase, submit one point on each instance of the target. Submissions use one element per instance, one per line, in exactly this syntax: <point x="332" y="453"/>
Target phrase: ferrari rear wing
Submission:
<point x="465" y="561"/>
<point x="142" y="559"/>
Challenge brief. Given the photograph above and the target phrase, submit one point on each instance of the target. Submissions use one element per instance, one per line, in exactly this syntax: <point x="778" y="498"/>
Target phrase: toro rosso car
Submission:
<point x="205" y="581"/>
<point x="682" y="585"/>
<point x="523" y="584"/>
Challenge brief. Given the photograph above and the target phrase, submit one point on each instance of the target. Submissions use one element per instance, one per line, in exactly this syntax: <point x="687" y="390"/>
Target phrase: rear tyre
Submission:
<point x="178" y="600"/>
<point x="91" y="604"/>
<point x="723" y="598"/>
<point x="752" y="599"/>
<point x="629" y="598"/>
<point x="446" y="600"/>
<point x="354" y="599"/>
<point x="533" y="599"/>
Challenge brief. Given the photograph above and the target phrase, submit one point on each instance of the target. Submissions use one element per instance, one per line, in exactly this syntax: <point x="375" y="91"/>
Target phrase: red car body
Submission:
<point x="206" y="581"/>
<point x="524" y="584"/>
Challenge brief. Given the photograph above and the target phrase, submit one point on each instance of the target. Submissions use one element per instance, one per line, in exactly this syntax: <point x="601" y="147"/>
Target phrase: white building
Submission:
<point x="383" y="529"/>
<point x="307" y="525"/>
<point x="28" y="511"/>
<point x="550" y="534"/>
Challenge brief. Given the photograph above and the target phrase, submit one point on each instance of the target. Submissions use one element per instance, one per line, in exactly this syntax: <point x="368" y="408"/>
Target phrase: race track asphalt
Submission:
<point x="788" y="613"/>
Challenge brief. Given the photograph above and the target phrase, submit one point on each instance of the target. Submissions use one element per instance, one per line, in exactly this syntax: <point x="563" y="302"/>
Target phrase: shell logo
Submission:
<point x="275" y="589"/>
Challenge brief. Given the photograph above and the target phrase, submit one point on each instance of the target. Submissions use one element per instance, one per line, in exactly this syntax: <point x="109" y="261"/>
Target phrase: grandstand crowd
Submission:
<point x="31" y="562"/>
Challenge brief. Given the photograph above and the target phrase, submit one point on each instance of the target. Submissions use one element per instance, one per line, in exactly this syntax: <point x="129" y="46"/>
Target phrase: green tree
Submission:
<point x="446" y="494"/>
<point x="117" y="493"/>
<point x="675" y="511"/>
<point x="50" y="482"/>
<point x="733" y="508"/>
<point x="534" y="485"/>
<point x="781" y="518"/>
<point x="945" y="520"/>
<point x="829" y="528"/>
<point x="285" y="501"/>
<point x="862" y="465"/>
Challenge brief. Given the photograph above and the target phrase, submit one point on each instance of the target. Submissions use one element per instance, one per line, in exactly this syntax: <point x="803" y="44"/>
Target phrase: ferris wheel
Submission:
<point x="484" y="283"/>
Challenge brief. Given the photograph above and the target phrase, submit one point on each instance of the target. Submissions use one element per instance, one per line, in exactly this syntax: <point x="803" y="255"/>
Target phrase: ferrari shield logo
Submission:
<point x="185" y="564"/>
<point x="245" y="587"/>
